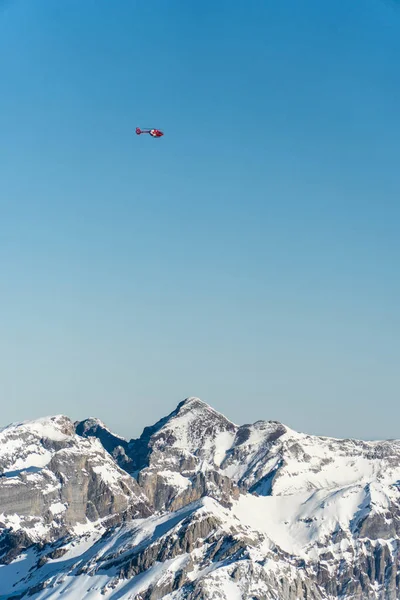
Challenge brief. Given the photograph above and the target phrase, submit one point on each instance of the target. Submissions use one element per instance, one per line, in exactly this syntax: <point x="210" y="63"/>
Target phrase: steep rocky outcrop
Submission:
<point x="53" y="480"/>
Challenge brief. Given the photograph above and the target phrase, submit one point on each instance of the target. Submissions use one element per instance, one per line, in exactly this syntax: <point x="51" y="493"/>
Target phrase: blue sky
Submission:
<point x="249" y="257"/>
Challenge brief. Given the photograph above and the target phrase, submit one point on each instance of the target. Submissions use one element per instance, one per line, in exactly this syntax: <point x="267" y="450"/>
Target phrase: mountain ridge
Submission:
<point x="196" y="507"/>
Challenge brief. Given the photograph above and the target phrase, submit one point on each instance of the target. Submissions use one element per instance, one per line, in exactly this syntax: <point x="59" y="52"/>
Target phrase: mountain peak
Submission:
<point x="196" y="405"/>
<point x="53" y="427"/>
<point x="192" y="414"/>
<point x="91" y="425"/>
<point x="193" y="401"/>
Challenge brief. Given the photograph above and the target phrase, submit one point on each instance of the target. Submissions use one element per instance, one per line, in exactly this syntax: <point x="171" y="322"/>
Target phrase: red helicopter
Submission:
<point x="153" y="132"/>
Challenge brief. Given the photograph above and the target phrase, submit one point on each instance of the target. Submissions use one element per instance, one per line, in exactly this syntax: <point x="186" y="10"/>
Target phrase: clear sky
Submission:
<point x="250" y="257"/>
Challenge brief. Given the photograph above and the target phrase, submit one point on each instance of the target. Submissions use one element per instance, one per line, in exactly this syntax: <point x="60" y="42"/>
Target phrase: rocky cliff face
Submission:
<point x="196" y="508"/>
<point x="53" y="480"/>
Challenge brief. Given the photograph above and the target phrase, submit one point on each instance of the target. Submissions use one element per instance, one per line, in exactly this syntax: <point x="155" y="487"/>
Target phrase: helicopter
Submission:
<point x="156" y="133"/>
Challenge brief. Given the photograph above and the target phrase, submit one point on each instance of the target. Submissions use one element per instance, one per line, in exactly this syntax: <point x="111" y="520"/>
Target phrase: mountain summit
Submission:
<point x="196" y="508"/>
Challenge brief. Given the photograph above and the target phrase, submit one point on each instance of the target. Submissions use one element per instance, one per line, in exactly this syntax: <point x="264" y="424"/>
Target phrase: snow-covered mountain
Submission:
<point x="197" y="508"/>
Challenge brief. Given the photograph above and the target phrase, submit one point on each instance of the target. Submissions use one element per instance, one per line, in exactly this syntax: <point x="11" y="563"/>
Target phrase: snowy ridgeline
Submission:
<point x="197" y="508"/>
